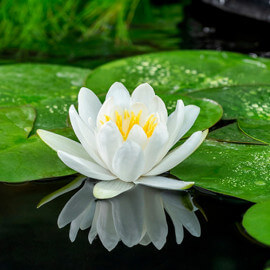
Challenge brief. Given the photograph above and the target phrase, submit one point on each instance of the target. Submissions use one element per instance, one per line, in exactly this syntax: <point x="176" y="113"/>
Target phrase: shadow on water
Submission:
<point x="30" y="238"/>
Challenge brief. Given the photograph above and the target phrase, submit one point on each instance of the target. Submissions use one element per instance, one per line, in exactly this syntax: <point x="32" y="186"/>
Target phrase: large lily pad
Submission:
<point x="245" y="101"/>
<point x="258" y="129"/>
<point x="182" y="71"/>
<point x="232" y="133"/>
<point x="238" y="170"/>
<point x="50" y="89"/>
<point x="23" y="158"/>
<point x="257" y="222"/>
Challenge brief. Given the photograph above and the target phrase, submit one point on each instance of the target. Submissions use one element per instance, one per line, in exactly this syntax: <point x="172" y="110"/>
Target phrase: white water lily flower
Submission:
<point x="126" y="140"/>
<point x="135" y="217"/>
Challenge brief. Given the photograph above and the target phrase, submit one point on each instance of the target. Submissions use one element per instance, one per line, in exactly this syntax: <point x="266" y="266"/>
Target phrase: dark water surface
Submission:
<point x="30" y="238"/>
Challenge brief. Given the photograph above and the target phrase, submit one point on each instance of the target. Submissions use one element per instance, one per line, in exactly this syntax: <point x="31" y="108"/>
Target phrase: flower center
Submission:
<point x="126" y="122"/>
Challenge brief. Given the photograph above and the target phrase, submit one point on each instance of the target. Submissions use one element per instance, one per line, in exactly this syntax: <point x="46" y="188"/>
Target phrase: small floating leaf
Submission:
<point x="257" y="222"/>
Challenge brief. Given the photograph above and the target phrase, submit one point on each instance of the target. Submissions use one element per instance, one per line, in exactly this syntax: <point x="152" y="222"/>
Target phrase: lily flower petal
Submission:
<point x="61" y="143"/>
<point x="138" y="136"/>
<point x="175" y="122"/>
<point x="128" y="162"/>
<point x="76" y="205"/>
<point x="85" y="135"/>
<point x="88" y="105"/>
<point x="191" y="113"/>
<point x="140" y="108"/>
<point x="110" y="189"/>
<point x="120" y="94"/>
<point x="85" y="167"/>
<point x="159" y="106"/>
<point x="154" y="147"/>
<point x="109" y="139"/>
<point x="163" y="183"/>
<point x="180" y="153"/>
<point x="144" y="93"/>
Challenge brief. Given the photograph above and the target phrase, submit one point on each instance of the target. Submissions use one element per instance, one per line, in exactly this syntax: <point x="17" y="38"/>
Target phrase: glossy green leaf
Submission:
<point x="240" y="101"/>
<point x="256" y="221"/>
<point x="23" y="158"/>
<point x="238" y="170"/>
<point x="256" y="128"/>
<point x="231" y="133"/>
<point x="50" y="89"/>
<point x="181" y="71"/>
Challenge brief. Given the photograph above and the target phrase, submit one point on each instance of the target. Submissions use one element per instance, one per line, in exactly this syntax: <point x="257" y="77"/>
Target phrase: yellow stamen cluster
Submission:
<point x="126" y="122"/>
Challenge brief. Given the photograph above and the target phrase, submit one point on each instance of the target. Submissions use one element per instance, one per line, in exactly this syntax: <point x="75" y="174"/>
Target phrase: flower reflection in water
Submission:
<point x="135" y="217"/>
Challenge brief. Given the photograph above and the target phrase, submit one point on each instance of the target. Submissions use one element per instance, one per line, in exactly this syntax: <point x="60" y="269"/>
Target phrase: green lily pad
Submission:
<point x="256" y="221"/>
<point x="231" y="133"/>
<point x="239" y="170"/>
<point x="258" y="129"/>
<point x="243" y="101"/>
<point x="181" y="71"/>
<point x="50" y="89"/>
<point x="23" y="158"/>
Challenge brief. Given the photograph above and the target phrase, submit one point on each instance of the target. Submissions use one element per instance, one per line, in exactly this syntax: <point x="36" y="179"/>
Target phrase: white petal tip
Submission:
<point x="72" y="108"/>
<point x="205" y="132"/>
<point x="164" y="183"/>
<point x="42" y="133"/>
<point x="84" y="89"/>
<point x="188" y="185"/>
<point x="117" y="84"/>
